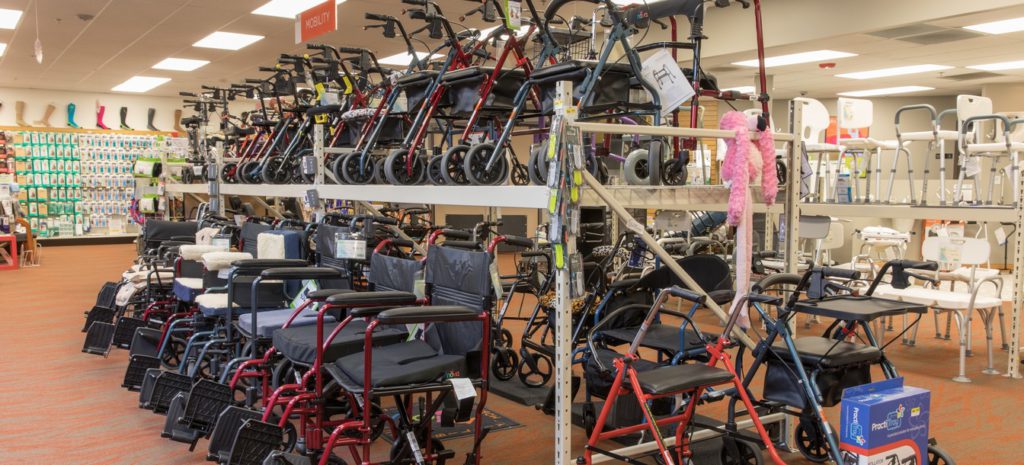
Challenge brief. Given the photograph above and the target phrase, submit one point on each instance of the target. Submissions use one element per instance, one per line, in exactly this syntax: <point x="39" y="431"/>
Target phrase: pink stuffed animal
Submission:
<point x="741" y="166"/>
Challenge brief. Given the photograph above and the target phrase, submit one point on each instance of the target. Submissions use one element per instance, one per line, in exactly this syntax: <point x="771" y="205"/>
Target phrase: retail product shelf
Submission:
<point x="711" y="198"/>
<point x="860" y="210"/>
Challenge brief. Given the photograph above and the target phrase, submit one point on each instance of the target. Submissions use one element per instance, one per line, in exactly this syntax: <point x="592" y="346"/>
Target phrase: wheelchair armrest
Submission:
<point x="435" y="314"/>
<point x="186" y="239"/>
<point x="375" y="299"/>
<point x="764" y="299"/>
<point x="325" y="293"/>
<point x="264" y="263"/>
<point x="307" y="272"/>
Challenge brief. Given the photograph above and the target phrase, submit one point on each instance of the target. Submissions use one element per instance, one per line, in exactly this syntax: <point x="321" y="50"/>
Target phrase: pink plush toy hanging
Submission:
<point x="743" y="166"/>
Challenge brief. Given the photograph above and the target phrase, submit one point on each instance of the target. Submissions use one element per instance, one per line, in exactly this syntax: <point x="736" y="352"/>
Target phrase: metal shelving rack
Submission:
<point x="618" y="198"/>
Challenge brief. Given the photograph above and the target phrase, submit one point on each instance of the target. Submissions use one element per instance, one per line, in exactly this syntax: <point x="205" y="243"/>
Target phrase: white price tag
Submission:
<point x="662" y="71"/>
<point x="414" y="445"/>
<point x="351" y="249"/>
<point x="463" y="388"/>
<point x="514" y="14"/>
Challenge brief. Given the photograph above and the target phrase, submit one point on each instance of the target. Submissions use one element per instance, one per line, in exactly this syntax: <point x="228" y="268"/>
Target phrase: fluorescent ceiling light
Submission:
<point x="9" y="18"/>
<point x="140" y="84"/>
<point x="886" y="91"/>
<point x="999" y="27"/>
<point x="797" y="58"/>
<point x="180" y="64"/>
<point x="3" y="47"/>
<point x="897" y="71"/>
<point x="1002" y="66"/>
<point x="741" y="89"/>
<point x="227" y="40"/>
<point x="401" y="59"/>
<point x="288" y="8"/>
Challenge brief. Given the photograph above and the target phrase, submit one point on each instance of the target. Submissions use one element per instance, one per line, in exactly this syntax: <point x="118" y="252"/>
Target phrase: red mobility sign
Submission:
<point x="316" y="21"/>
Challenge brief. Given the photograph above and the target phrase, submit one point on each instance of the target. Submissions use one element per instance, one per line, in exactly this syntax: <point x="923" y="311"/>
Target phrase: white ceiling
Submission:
<point x="126" y="37"/>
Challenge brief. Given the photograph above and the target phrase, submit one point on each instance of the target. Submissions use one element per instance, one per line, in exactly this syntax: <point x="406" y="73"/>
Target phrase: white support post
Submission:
<point x="1013" y="370"/>
<point x="318" y="152"/>
<point x="563" y="302"/>
<point x="213" y="165"/>
<point x="793" y="192"/>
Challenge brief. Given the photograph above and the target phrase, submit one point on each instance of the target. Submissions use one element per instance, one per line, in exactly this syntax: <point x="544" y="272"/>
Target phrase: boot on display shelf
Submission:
<point x="19" y="108"/>
<point x="177" y="121"/>
<point x="150" y="117"/>
<point x="45" y="122"/>
<point x="124" y="119"/>
<point x="100" y="110"/>
<point x="71" y="116"/>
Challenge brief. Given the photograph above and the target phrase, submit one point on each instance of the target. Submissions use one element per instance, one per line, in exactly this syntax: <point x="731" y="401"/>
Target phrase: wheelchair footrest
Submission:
<point x="136" y="371"/>
<point x="173" y="429"/>
<point x="125" y="331"/>
<point x="206" y="401"/>
<point x="283" y="458"/>
<point x="98" y="314"/>
<point x="145" y="341"/>
<point x="98" y="338"/>
<point x="255" y="441"/>
<point x="223" y="436"/>
<point x="167" y="386"/>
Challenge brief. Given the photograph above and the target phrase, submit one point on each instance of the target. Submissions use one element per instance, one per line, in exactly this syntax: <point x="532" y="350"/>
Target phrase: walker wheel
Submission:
<point x="938" y="456"/>
<point x="749" y="454"/>
<point x="538" y="377"/>
<point x="811" y="442"/>
<point x="589" y="418"/>
<point x="505" y="363"/>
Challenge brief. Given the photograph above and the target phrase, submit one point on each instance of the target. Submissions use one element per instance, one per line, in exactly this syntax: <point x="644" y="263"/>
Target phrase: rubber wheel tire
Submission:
<point x="635" y="171"/>
<point x="782" y="171"/>
<point x="434" y="175"/>
<point x="378" y="172"/>
<point x="476" y="162"/>
<point x="453" y="165"/>
<point x="347" y="169"/>
<point x="749" y="454"/>
<point x="395" y="168"/>
<point x="810" y="441"/>
<point x="171" y="356"/>
<point x="227" y="173"/>
<point x="673" y="172"/>
<point x="938" y="456"/>
<point x="589" y="418"/>
<point x="247" y="173"/>
<point x="520" y="176"/>
<point x="187" y="175"/>
<point x="273" y="172"/>
<point x="537" y="166"/>
<point x="530" y="377"/>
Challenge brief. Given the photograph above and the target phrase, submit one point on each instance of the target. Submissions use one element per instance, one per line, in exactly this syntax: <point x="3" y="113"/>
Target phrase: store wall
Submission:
<point x="85" y="113"/>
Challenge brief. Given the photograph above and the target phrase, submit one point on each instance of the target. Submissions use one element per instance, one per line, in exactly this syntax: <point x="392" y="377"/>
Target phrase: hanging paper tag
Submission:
<point x="662" y="72"/>
<point x="513" y="14"/>
<point x="463" y="388"/>
<point x="351" y="249"/>
<point x="495" y="279"/>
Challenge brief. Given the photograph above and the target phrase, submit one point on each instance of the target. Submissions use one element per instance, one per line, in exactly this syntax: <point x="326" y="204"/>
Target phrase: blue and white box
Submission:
<point x="884" y="423"/>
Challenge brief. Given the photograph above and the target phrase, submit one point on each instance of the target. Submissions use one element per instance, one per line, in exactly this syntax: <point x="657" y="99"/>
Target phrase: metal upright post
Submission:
<point x="793" y="181"/>
<point x="563" y="332"/>
<point x="318" y="152"/>
<point x="1013" y="370"/>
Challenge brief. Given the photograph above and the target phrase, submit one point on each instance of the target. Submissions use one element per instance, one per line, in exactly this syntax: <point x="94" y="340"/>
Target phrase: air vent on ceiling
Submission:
<point x="972" y="76"/>
<point x="905" y="31"/>
<point x="941" y="37"/>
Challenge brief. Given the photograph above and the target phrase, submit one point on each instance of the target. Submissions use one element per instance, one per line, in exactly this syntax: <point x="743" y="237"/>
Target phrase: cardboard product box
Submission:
<point x="884" y="423"/>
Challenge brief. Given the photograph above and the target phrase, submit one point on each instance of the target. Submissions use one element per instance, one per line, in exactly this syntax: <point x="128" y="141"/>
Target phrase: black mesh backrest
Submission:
<point x="389" y="273"/>
<point x="250" y="231"/>
<point x="457" y="277"/>
<point x="191" y="269"/>
<point x="711" y="273"/>
<point x="157" y="231"/>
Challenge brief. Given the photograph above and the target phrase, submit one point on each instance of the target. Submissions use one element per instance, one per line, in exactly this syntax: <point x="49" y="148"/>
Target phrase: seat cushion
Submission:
<point x="413" y="362"/>
<point x="187" y="289"/>
<point x="679" y="378"/>
<point x="928" y="135"/>
<point x="299" y="343"/>
<point x="659" y="337"/>
<point x="215" y="305"/>
<point x="268" y="321"/>
<point x="813" y="350"/>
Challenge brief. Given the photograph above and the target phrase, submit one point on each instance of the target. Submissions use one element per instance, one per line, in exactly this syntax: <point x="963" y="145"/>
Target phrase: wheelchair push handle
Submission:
<point x="841" y="273"/>
<point x="917" y="265"/>
<point x="518" y="241"/>
<point x="377" y="17"/>
<point x="686" y="294"/>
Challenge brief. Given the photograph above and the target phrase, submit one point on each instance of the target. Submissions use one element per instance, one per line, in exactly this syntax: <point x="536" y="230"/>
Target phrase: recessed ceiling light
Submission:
<point x="401" y="59"/>
<point x="999" y="27"/>
<point x="288" y="8"/>
<point x="140" y="84"/>
<point x="897" y="71"/>
<point x="227" y="40"/>
<point x="741" y="89"/>
<point x="9" y="18"/>
<point x="886" y="91"/>
<point x="1001" y="66"/>
<point x="797" y="58"/>
<point x="3" y="47"/>
<point x="180" y="64"/>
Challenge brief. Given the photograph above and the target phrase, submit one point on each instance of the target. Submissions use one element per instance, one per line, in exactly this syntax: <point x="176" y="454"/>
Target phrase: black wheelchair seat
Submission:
<point x="408" y="363"/>
<point x="298" y="344"/>
<point x="679" y="378"/>
<point x="818" y="350"/>
<point x="659" y="337"/>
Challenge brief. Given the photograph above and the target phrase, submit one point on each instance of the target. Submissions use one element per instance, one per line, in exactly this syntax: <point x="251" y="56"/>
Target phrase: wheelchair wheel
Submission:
<point x="434" y="175"/>
<point x="535" y="377"/>
<point x="589" y="418"/>
<point x="475" y="166"/>
<point x="247" y="173"/>
<point x="227" y="173"/>
<point x="749" y="454"/>
<point x="635" y="170"/>
<point x="187" y="175"/>
<point x="291" y="434"/>
<point x="211" y="365"/>
<point x="452" y="165"/>
<point x="938" y="456"/>
<point x="504" y="363"/>
<point x="397" y="174"/>
<point x="673" y="172"/>
<point x="347" y="169"/>
<point x="280" y="373"/>
<point x="378" y="172"/>
<point x="520" y="176"/>
<point x="537" y="166"/>
<point x="810" y="441"/>
<point x="171" y="355"/>
<point x="274" y="172"/>
<point x="782" y="171"/>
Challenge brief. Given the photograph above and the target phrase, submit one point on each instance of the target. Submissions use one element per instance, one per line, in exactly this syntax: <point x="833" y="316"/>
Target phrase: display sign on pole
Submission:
<point x="316" y="21"/>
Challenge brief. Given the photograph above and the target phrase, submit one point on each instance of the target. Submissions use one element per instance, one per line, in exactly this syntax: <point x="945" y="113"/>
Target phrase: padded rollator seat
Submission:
<point x="413" y="362"/>
<point x="187" y="289"/>
<point x="268" y="321"/>
<point x="299" y="343"/>
<point x="417" y="78"/>
<point x="660" y="337"/>
<point x="678" y="378"/>
<point x="815" y="350"/>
